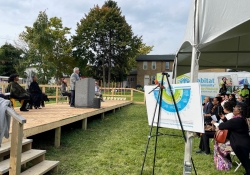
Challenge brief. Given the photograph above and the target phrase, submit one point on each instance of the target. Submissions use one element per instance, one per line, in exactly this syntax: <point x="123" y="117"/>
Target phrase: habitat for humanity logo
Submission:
<point x="183" y="79"/>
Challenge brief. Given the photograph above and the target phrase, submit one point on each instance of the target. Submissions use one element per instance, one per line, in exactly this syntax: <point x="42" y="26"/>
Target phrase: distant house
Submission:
<point x="149" y="65"/>
<point x="131" y="79"/>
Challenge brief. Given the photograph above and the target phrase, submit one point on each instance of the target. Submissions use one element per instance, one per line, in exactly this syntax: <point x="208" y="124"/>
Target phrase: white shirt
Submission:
<point x="228" y="116"/>
<point x="222" y="104"/>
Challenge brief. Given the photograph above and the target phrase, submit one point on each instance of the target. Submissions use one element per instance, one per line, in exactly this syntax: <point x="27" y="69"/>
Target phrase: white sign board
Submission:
<point x="189" y="104"/>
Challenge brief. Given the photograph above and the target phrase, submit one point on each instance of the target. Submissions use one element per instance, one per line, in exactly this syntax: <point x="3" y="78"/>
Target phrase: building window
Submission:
<point x="167" y="65"/>
<point x="132" y="79"/>
<point x="153" y="65"/>
<point x="145" y="65"/>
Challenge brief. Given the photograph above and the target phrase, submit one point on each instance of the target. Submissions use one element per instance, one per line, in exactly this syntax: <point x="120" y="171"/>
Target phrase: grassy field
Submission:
<point x="116" y="145"/>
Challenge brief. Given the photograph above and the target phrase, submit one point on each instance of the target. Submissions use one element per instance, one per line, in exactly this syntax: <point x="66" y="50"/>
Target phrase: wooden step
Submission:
<point x="42" y="168"/>
<point x="6" y="146"/>
<point x="25" y="157"/>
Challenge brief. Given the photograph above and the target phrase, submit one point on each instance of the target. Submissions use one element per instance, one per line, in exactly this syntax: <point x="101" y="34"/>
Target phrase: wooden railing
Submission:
<point x="111" y="92"/>
<point x="122" y="92"/>
<point x="43" y="87"/>
<point x="16" y="142"/>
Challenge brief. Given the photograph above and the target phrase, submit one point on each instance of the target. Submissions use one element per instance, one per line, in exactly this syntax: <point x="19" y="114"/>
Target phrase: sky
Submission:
<point x="161" y="23"/>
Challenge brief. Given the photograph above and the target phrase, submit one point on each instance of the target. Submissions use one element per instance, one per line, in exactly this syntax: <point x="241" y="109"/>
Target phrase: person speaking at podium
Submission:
<point x="73" y="78"/>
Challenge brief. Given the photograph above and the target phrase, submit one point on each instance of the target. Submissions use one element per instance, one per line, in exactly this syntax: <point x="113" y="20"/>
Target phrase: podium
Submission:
<point x="84" y="93"/>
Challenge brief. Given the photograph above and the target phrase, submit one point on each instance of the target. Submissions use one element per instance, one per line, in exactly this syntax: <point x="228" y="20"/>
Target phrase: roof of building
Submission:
<point x="133" y="72"/>
<point x="169" y="57"/>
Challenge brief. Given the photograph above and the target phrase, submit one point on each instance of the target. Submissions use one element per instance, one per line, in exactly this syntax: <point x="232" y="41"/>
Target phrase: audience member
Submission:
<point x="223" y="89"/>
<point x="245" y="93"/>
<point x="17" y="92"/>
<point x="232" y="98"/>
<point x="240" y="100"/>
<point x="208" y="105"/>
<point x="238" y="136"/>
<point x="222" y="151"/>
<point x="36" y="93"/>
<point x="245" y="107"/>
<point x="73" y="78"/>
<point x="64" y="89"/>
<point x="224" y="99"/>
<point x="204" y="141"/>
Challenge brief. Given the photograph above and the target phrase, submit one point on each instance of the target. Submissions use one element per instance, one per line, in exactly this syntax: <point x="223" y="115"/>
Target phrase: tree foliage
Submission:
<point x="106" y="41"/>
<point x="49" y="50"/>
<point x="9" y="59"/>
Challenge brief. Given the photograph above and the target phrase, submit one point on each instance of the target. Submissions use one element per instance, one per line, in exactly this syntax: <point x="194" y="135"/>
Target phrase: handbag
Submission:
<point x="221" y="136"/>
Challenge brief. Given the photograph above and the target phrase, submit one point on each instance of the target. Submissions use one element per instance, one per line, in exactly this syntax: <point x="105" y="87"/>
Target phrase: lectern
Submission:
<point x="84" y="93"/>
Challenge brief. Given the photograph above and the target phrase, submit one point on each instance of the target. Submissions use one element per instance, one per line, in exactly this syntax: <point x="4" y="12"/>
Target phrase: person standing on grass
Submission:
<point x="73" y="78"/>
<point x="238" y="135"/>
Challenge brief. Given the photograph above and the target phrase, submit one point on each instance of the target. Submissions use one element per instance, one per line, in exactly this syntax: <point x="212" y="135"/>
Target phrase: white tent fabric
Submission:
<point x="223" y="35"/>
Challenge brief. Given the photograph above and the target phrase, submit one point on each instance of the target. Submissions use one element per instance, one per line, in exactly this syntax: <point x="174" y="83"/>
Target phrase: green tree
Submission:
<point x="49" y="50"/>
<point x="143" y="50"/>
<point x="9" y="58"/>
<point x="104" y="39"/>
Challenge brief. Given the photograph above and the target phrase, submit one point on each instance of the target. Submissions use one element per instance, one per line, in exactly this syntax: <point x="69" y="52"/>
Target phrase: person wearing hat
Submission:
<point x="245" y="93"/>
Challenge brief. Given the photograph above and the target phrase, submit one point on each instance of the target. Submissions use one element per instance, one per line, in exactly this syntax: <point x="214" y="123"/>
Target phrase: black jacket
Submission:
<point x="207" y="108"/>
<point x="215" y="112"/>
<point x="237" y="132"/>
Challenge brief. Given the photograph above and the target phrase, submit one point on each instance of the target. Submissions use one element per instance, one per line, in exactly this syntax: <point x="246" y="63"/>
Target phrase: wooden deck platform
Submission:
<point x="53" y="116"/>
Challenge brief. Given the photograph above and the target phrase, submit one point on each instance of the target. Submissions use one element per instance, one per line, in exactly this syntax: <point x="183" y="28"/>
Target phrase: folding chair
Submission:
<point x="62" y="97"/>
<point x="238" y="163"/>
<point x="13" y="102"/>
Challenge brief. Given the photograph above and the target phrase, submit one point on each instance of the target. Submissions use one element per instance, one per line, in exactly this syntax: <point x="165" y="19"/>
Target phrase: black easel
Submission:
<point x="159" y="98"/>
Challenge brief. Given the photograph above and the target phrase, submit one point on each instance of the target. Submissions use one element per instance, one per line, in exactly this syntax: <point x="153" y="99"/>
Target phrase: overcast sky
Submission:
<point x="161" y="23"/>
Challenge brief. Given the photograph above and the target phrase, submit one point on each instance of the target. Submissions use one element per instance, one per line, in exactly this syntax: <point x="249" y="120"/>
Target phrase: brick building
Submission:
<point x="149" y="65"/>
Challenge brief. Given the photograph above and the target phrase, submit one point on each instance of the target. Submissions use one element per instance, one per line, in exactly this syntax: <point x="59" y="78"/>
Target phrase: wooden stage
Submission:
<point x="53" y="116"/>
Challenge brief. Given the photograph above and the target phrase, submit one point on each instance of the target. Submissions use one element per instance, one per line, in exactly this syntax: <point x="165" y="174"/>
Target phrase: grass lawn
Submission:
<point x="116" y="145"/>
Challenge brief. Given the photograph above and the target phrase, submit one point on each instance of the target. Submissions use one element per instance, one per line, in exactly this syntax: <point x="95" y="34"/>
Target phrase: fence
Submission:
<point x="111" y="93"/>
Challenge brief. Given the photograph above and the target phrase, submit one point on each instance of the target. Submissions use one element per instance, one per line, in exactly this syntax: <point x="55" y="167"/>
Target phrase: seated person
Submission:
<point x="17" y="92"/>
<point x="98" y="91"/>
<point x="222" y="151"/>
<point x="245" y="107"/>
<point x="204" y="141"/>
<point x="64" y="89"/>
<point x="35" y="92"/>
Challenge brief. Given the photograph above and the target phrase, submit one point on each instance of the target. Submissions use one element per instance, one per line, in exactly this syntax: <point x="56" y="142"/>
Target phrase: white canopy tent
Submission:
<point x="220" y="33"/>
<point x="217" y="36"/>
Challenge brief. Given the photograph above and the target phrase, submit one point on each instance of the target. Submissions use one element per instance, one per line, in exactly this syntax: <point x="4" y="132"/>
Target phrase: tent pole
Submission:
<point x="174" y="71"/>
<point x="194" y="76"/>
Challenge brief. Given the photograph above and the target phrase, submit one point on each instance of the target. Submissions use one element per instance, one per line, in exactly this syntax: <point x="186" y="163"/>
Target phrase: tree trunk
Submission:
<point x="109" y="59"/>
<point x="103" y="73"/>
